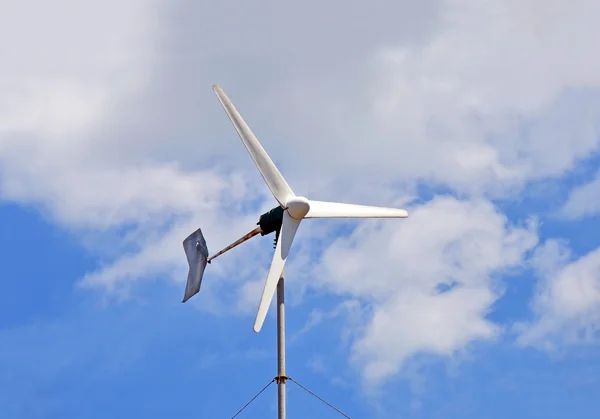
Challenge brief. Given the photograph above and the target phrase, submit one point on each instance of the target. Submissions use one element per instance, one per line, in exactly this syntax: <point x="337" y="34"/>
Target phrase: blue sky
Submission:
<point x="482" y="119"/>
<point x="65" y="354"/>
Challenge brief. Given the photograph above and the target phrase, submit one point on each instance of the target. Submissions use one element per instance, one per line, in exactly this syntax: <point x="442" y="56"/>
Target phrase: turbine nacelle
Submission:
<point x="284" y="219"/>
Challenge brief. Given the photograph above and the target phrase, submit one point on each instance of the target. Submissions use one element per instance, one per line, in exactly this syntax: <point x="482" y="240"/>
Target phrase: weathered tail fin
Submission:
<point x="197" y="256"/>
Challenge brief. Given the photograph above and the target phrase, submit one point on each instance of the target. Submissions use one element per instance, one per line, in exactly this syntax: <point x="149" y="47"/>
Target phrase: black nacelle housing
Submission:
<point x="271" y="222"/>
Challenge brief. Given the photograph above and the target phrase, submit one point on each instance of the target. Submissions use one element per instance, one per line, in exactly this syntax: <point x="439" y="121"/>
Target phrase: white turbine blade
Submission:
<point x="286" y="237"/>
<point x="274" y="180"/>
<point x="320" y="209"/>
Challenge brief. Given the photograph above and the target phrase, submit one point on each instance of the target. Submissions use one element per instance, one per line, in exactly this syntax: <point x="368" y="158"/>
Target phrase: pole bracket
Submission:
<point x="281" y="378"/>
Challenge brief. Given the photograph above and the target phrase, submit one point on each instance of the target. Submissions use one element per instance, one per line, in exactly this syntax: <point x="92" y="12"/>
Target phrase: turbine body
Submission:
<point x="271" y="221"/>
<point x="284" y="219"/>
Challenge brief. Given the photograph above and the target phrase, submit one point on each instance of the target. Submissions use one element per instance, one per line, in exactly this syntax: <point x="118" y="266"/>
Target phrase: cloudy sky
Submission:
<point x="482" y="118"/>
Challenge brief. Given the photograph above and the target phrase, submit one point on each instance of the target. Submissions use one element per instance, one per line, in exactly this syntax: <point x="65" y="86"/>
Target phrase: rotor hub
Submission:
<point x="298" y="207"/>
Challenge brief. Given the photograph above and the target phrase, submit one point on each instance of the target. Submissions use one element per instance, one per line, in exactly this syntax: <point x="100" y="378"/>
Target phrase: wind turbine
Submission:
<point x="284" y="219"/>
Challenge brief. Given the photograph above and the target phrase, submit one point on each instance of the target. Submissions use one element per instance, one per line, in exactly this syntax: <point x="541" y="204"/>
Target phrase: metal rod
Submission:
<point x="281" y="377"/>
<point x="248" y="236"/>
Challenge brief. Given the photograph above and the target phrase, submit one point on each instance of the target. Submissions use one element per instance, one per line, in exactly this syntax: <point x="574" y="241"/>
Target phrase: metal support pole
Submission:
<point x="281" y="377"/>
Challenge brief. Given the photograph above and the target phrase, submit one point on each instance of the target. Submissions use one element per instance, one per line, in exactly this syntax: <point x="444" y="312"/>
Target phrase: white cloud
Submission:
<point x="413" y="322"/>
<point x="66" y="64"/>
<point x="567" y="302"/>
<point x="468" y="103"/>
<point x="397" y="267"/>
<point x="71" y="76"/>
<point x="112" y="197"/>
<point x="584" y="200"/>
<point x="474" y="104"/>
<point x="482" y="107"/>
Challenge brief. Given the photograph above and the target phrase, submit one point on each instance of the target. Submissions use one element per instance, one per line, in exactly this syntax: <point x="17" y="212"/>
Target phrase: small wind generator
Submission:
<point x="284" y="221"/>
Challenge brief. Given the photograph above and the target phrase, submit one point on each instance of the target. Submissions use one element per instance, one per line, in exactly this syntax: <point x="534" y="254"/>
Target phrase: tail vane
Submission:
<point x="197" y="256"/>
